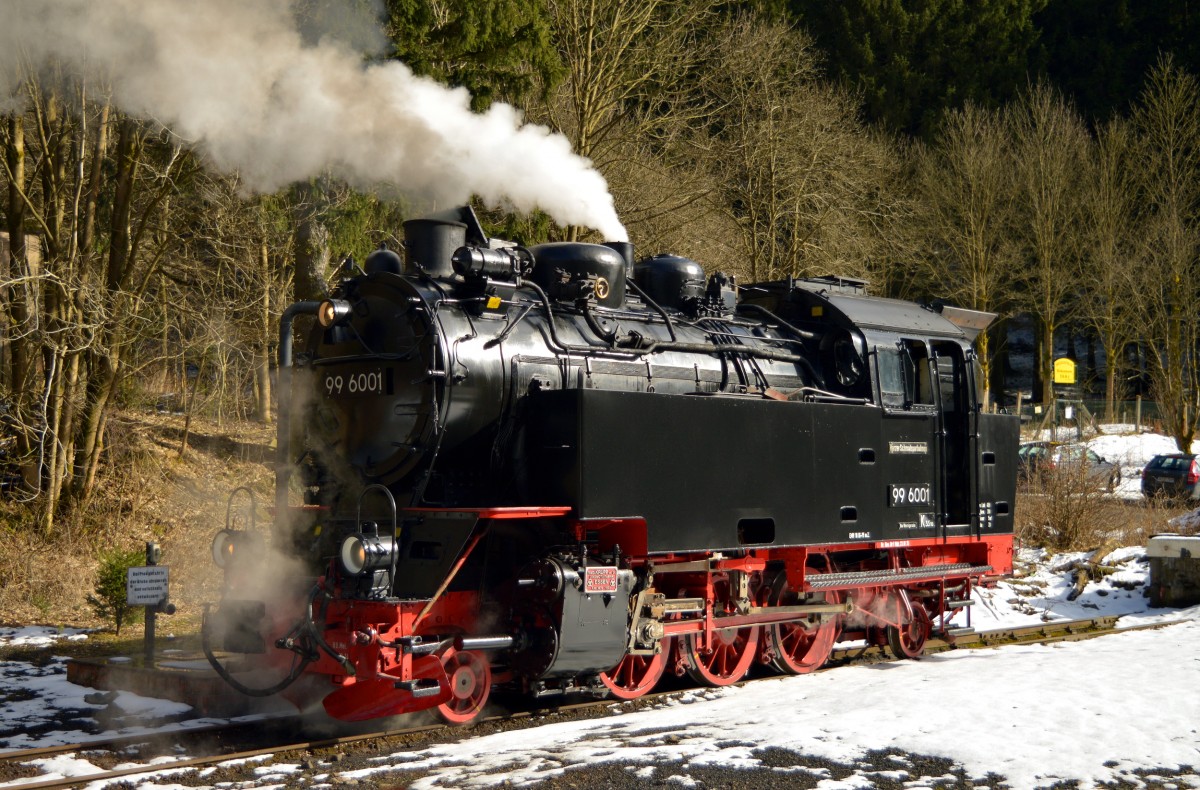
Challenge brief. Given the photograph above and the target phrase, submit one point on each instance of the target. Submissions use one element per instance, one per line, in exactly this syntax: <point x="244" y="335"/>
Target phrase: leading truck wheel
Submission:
<point x="636" y="675"/>
<point x="470" y="684"/>
<point x="908" y="640"/>
<point x="728" y="659"/>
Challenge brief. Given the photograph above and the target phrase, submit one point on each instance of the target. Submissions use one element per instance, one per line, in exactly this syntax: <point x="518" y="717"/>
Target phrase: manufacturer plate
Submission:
<point x="600" y="579"/>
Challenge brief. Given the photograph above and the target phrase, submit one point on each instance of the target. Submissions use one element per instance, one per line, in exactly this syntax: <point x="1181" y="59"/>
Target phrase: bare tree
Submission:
<point x="1168" y="123"/>
<point x="965" y="187"/>
<point x="627" y="65"/>
<point x="1110" y="269"/>
<point x="806" y="184"/>
<point x="100" y="216"/>
<point x="1050" y="150"/>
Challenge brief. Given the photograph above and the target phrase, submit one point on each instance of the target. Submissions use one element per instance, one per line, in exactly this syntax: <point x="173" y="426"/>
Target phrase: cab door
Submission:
<point x="949" y="370"/>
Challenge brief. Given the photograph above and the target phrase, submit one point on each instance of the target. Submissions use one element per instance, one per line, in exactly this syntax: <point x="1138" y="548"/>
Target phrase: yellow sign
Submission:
<point x="1064" y="371"/>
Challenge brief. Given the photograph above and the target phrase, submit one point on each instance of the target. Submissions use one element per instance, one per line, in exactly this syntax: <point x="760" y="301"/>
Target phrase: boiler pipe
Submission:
<point x="283" y="459"/>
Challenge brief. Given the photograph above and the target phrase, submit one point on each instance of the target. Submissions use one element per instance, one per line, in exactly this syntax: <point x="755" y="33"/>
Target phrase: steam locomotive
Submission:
<point x="558" y="469"/>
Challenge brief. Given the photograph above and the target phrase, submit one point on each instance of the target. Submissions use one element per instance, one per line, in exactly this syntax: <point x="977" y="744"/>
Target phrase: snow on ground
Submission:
<point x="1089" y="712"/>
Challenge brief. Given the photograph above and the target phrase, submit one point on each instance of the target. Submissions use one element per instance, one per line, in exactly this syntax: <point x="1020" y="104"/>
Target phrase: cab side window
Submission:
<point x="920" y="388"/>
<point x="891" y="362"/>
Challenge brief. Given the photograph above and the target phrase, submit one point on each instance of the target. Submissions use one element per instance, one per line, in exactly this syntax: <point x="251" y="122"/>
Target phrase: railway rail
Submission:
<point x="1072" y="630"/>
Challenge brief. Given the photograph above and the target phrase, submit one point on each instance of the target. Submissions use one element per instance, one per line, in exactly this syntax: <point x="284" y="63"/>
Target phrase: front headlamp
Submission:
<point x="365" y="553"/>
<point x="332" y="311"/>
<point x="223" y="547"/>
<point x="235" y="545"/>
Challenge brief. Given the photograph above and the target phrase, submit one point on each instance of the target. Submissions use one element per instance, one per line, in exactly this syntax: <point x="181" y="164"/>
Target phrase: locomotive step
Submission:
<point x="424" y="687"/>
<point x="826" y="581"/>
<point x="955" y="633"/>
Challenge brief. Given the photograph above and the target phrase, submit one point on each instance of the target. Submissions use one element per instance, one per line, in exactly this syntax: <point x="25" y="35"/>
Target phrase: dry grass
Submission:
<point x="147" y="493"/>
<point x="1066" y="511"/>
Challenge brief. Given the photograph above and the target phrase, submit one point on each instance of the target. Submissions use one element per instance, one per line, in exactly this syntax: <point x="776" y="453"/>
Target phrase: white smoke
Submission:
<point x="247" y="88"/>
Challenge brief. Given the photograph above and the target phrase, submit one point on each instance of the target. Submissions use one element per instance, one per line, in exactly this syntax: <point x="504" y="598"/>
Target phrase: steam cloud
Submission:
<point x="253" y="92"/>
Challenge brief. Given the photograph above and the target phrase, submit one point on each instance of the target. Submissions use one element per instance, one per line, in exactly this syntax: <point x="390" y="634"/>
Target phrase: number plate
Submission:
<point x="910" y="494"/>
<point x="358" y="383"/>
<point x="600" y="579"/>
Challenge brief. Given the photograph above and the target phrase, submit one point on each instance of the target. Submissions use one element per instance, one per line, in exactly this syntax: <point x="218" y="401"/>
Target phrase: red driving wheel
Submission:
<point x="470" y="684"/>
<point x="636" y="675"/>
<point x="727" y="659"/>
<point x="798" y="648"/>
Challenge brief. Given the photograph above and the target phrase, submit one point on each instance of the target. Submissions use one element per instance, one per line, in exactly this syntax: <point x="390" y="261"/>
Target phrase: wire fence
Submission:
<point x="1066" y="418"/>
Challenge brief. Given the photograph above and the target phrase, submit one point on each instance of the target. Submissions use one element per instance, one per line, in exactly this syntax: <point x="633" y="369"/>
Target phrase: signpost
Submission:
<point x="149" y="586"/>
<point x="1064" y="370"/>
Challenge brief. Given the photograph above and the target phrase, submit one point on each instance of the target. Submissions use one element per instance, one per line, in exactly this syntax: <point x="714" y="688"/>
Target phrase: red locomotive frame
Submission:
<point x="720" y="617"/>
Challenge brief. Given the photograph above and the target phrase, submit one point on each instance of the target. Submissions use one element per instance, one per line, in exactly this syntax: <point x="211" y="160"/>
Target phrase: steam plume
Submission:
<point x="254" y="93"/>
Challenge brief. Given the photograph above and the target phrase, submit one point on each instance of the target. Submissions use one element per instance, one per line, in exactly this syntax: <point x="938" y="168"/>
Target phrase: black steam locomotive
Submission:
<point x="560" y="470"/>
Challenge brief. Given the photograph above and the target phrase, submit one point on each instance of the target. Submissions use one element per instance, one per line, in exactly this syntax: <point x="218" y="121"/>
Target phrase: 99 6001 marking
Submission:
<point x="909" y="494"/>
<point x="363" y="382"/>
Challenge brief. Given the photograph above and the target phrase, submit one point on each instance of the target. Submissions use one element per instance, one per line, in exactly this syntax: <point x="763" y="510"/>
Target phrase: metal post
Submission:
<point x="153" y="553"/>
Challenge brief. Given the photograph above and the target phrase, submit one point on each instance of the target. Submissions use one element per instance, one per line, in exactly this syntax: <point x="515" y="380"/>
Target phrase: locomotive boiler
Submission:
<point x="560" y="469"/>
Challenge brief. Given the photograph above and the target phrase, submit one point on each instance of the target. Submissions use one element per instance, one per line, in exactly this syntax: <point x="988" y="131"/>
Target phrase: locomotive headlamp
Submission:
<point x="364" y="553"/>
<point x="223" y="546"/>
<point x="505" y="263"/>
<point x="233" y="545"/>
<point x="332" y="311"/>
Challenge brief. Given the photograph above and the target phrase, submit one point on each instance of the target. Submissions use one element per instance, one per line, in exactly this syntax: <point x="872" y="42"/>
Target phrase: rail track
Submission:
<point x="222" y="741"/>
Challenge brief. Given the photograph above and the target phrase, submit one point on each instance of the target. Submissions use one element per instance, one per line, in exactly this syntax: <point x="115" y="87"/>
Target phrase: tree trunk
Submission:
<point x="263" y="362"/>
<point x="312" y="245"/>
<point x="1047" y="361"/>
<point x="104" y="360"/>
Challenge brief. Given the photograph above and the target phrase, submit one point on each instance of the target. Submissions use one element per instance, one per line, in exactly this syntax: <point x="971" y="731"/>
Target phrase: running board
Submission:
<point x="827" y="581"/>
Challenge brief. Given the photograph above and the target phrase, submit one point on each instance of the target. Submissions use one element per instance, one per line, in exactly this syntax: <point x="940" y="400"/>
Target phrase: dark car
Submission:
<point x="1172" y="476"/>
<point x="1043" y="458"/>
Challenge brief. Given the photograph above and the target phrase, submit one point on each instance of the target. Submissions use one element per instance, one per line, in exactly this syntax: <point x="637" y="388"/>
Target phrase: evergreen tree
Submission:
<point x="499" y="50"/>
<point x="1100" y="51"/>
<point x="912" y="59"/>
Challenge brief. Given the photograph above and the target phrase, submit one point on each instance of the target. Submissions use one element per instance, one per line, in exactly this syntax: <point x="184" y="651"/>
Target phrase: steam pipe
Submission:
<point x="609" y="337"/>
<point x="667" y="345"/>
<point x="646" y="298"/>
<point x="764" y="311"/>
<point x="283" y="387"/>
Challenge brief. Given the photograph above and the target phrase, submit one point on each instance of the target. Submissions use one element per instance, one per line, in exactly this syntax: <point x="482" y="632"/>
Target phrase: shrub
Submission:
<point x="1065" y="510"/>
<point x="108" y="602"/>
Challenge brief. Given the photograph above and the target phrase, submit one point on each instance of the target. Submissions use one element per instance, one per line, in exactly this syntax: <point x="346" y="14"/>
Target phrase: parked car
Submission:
<point x="1173" y="476"/>
<point x="1043" y="458"/>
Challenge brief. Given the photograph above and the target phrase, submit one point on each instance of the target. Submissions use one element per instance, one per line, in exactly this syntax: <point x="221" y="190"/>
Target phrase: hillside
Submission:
<point x="149" y="492"/>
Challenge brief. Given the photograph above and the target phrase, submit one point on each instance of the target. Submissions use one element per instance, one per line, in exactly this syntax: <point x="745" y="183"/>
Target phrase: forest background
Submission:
<point x="1034" y="157"/>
